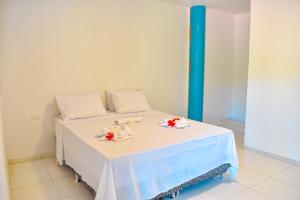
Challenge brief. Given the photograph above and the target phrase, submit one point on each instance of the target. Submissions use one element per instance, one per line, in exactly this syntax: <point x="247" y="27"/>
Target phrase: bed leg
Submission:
<point x="222" y="176"/>
<point x="175" y="195"/>
<point x="76" y="178"/>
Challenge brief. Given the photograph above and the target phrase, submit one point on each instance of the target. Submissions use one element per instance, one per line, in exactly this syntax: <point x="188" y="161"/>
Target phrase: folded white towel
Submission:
<point x="127" y="130"/>
<point x="182" y="123"/>
<point x="128" y="120"/>
<point x="102" y="133"/>
<point x="178" y="123"/>
<point x="120" y="133"/>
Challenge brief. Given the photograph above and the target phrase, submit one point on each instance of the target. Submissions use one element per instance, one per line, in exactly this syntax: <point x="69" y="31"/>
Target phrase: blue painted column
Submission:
<point x="197" y="58"/>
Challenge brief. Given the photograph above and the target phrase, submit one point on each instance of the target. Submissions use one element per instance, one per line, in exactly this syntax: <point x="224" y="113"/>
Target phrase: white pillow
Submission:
<point x="110" y="104"/>
<point x="80" y="105"/>
<point x="130" y="101"/>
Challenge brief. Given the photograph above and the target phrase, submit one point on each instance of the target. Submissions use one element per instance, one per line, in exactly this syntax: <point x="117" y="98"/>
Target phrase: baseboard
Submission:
<point x="31" y="158"/>
<point x="238" y="120"/>
<point x="277" y="157"/>
<point x="234" y="125"/>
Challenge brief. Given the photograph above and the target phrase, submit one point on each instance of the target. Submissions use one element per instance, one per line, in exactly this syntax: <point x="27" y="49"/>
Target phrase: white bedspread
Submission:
<point x="154" y="161"/>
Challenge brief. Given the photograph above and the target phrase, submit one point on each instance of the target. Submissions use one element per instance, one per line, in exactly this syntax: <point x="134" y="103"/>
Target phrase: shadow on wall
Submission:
<point x="4" y="180"/>
<point x="47" y="140"/>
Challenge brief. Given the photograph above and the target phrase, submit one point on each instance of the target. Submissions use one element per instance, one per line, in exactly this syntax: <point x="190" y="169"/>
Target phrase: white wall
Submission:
<point x="71" y="46"/>
<point x="241" y="61"/>
<point x="54" y="46"/>
<point x="273" y="100"/>
<point x="226" y="66"/>
<point x="219" y="65"/>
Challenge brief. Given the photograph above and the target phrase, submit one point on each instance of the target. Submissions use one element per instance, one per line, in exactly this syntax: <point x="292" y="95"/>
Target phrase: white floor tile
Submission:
<point x="49" y="162"/>
<point x="32" y="180"/>
<point x="80" y="197"/>
<point x="30" y="165"/>
<point x="226" y="190"/>
<point x="60" y="172"/>
<point x="249" y="178"/>
<point x="250" y="195"/>
<point x="264" y="167"/>
<point x="68" y="187"/>
<point x="246" y="156"/>
<point x="278" y="190"/>
<point x="277" y="162"/>
<point x="290" y="176"/>
<point x="45" y="191"/>
<point x="29" y="176"/>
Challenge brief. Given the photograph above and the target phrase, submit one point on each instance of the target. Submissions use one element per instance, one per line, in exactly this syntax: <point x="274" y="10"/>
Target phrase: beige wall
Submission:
<point x="273" y="108"/>
<point x="219" y="64"/>
<point x="4" y="183"/>
<point x="53" y="46"/>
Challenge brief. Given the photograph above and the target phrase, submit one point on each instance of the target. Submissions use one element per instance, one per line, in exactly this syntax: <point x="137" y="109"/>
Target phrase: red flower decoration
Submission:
<point x="172" y="122"/>
<point x="110" y="136"/>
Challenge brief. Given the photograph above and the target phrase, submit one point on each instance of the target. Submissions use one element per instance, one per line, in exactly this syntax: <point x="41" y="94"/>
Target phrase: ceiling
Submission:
<point x="231" y="6"/>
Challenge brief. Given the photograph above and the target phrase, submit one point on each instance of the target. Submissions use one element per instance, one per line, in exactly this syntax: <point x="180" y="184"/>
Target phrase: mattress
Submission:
<point x="154" y="161"/>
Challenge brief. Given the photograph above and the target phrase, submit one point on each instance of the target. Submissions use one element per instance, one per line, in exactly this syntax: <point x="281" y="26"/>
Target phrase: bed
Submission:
<point x="156" y="162"/>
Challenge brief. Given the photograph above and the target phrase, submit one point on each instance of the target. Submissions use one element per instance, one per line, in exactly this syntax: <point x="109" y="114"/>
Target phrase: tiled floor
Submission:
<point x="259" y="178"/>
<point x="45" y="180"/>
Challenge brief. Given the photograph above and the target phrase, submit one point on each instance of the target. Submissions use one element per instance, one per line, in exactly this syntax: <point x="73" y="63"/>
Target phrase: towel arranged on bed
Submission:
<point x="115" y="134"/>
<point x="177" y="122"/>
<point x="128" y="120"/>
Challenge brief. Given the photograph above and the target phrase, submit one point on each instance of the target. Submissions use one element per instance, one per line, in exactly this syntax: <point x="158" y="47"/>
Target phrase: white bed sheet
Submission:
<point x="154" y="161"/>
